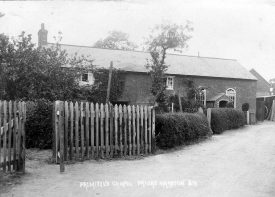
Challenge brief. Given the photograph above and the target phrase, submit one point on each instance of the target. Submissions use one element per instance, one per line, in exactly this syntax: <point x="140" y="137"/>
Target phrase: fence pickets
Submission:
<point x="88" y="131"/>
<point x="12" y="136"/>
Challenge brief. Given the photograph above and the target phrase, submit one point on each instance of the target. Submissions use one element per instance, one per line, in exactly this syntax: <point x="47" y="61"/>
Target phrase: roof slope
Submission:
<point x="260" y="78"/>
<point x="218" y="96"/>
<point x="263" y="87"/>
<point x="179" y="64"/>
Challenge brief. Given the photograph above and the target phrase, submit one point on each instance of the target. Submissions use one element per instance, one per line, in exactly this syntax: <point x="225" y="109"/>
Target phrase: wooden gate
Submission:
<point x="87" y="131"/>
<point x="12" y="136"/>
<point x="260" y="110"/>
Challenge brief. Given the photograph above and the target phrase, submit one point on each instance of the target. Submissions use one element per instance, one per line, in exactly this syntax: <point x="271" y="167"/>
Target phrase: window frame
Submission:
<point x="90" y="79"/>
<point x="202" y="101"/>
<point x="168" y="87"/>
<point x="231" y="93"/>
<point x="81" y="79"/>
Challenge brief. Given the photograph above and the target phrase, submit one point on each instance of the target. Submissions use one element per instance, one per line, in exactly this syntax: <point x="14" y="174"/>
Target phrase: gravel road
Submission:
<point x="237" y="163"/>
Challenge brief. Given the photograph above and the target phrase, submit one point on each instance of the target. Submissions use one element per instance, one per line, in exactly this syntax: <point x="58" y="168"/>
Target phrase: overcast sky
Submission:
<point x="242" y="30"/>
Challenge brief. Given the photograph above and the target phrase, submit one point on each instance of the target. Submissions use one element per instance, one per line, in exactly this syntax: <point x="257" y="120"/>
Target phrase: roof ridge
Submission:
<point x="85" y="46"/>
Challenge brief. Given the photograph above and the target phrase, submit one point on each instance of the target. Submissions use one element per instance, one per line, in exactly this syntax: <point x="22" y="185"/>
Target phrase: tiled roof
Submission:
<point x="218" y="96"/>
<point x="135" y="61"/>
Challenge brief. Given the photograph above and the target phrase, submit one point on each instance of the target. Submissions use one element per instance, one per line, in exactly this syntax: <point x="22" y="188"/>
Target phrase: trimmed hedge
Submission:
<point x="39" y="124"/>
<point x="175" y="129"/>
<point x="225" y="119"/>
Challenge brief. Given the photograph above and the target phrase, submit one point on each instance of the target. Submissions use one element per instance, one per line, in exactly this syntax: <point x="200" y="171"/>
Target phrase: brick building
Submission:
<point x="263" y="87"/>
<point x="220" y="80"/>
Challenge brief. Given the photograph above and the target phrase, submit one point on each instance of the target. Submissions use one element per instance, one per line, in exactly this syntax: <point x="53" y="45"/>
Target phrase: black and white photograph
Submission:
<point x="140" y="98"/>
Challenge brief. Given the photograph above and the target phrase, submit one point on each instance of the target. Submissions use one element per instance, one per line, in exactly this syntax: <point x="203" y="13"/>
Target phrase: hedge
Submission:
<point x="39" y="124"/>
<point x="175" y="129"/>
<point x="225" y="119"/>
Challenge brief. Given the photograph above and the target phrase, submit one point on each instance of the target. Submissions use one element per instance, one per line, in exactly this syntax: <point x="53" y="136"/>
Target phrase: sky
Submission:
<point x="236" y="29"/>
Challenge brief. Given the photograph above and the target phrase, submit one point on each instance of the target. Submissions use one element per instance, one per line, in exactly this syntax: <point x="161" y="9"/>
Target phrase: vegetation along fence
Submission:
<point x="12" y="136"/>
<point x="87" y="131"/>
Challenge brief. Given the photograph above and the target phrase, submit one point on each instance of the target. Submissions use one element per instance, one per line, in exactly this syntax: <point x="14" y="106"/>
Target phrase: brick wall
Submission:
<point x="137" y="88"/>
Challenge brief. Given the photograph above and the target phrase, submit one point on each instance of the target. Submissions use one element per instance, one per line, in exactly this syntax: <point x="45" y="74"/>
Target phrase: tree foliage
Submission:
<point x="162" y="38"/>
<point x="30" y="73"/>
<point x="116" y="40"/>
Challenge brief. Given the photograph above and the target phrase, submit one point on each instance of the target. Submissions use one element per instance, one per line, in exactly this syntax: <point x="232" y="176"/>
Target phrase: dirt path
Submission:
<point x="236" y="163"/>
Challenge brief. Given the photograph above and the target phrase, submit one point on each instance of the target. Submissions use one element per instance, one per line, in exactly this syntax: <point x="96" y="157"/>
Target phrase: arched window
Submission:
<point x="231" y="93"/>
<point x="201" y="97"/>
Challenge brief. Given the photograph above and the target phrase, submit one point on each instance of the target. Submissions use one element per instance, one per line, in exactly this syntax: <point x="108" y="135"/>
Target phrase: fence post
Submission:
<point x="0" y="132"/>
<point x="76" y="130"/>
<point x="5" y="135"/>
<point x="92" y="129"/>
<point x="142" y="130"/>
<point x="61" y="135"/>
<point x="87" y="130"/>
<point x="272" y="111"/>
<point x="120" y="129"/>
<point x="134" y="130"/>
<point x="107" y="130"/>
<point x="129" y="130"/>
<point x="247" y="117"/>
<point x="24" y="135"/>
<point x="71" y="130"/>
<point x="82" y="130"/>
<point x="111" y="111"/>
<point x="138" y="133"/>
<point x="54" y="131"/>
<point x="116" y="129"/>
<point x="15" y="128"/>
<point x="125" y="129"/>
<point x="97" y="129"/>
<point x="145" y="130"/>
<point x="153" y="130"/>
<point x="66" y="119"/>
<point x="209" y="116"/>
<point x="102" y="147"/>
<point x="9" y="136"/>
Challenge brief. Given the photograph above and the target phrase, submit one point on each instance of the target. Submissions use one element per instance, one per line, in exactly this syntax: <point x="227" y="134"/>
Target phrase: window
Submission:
<point x="87" y="79"/>
<point x="170" y="83"/>
<point x="202" y="97"/>
<point x="231" y="93"/>
<point x="84" y="77"/>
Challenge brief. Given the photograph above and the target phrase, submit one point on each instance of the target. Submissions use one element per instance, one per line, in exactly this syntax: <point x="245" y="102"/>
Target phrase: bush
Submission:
<point x="175" y="129"/>
<point x="39" y="124"/>
<point x="245" y="107"/>
<point x="225" y="119"/>
<point x="188" y="106"/>
<point x="230" y="105"/>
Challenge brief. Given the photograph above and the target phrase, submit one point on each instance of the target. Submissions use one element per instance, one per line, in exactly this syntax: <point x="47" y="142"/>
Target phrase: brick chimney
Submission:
<point x="42" y="36"/>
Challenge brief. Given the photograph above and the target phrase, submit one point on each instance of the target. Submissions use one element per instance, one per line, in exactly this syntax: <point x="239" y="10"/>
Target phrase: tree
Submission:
<point x="162" y="38"/>
<point x="31" y="73"/>
<point x="116" y="40"/>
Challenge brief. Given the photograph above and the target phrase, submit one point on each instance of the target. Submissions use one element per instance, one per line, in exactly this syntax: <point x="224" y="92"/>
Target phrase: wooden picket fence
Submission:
<point x="12" y="136"/>
<point x="87" y="131"/>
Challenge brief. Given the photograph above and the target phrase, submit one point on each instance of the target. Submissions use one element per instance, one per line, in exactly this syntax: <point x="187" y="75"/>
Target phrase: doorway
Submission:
<point x="222" y="104"/>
